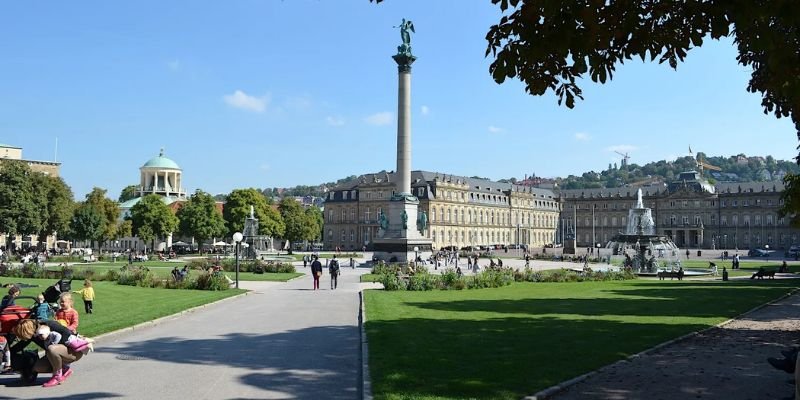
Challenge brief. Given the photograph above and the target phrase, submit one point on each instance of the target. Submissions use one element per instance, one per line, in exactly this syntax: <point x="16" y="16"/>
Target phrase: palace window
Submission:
<point x="344" y="235"/>
<point x="352" y="235"/>
<point x="723" y="220"/>
<point x="366" y="216"/>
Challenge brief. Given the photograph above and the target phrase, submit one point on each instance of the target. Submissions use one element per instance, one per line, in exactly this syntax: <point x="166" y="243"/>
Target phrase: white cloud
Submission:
<point x="425" y="110"/>
<point x="622" y="148"/>
<point x="494" y="129"/>
<point x="240" y="99"/>
<point x="174" y="65"/>
<point x="381" y="118"/>
<point x="582" y="137"/>
<point x="334" y="120"/>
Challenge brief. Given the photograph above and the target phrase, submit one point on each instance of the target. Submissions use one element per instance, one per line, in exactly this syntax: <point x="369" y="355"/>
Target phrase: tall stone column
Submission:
<point x="404" y="62"/>
<point x="399" y="237"/>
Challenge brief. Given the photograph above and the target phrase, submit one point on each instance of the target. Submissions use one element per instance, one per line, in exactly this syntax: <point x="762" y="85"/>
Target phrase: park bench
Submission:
<point x="760" y="274"/>
<point x="670" y="274"/>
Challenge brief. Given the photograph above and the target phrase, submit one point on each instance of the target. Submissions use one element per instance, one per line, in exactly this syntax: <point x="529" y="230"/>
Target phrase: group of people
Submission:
<point x="180" y="274"/>
<point x="333" y="269"/>
<point x="54" y="331"/>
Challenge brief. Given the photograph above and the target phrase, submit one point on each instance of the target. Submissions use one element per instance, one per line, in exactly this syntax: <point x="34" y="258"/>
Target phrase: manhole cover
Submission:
<point x="128" y="357"/>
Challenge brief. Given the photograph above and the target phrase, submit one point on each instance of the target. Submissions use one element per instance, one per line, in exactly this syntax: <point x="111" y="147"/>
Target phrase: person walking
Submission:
<point x="333" y="269"/>
<point x="87" y="293"/>
<point x="305" y="261"/>
<point x="316" y="271"/>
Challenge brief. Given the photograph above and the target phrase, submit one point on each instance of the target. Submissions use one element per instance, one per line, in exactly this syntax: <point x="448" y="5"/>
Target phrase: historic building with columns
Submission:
<point x="693" y="212"/>
<point x="160" y="176"/>
<point x="461" y="211"/>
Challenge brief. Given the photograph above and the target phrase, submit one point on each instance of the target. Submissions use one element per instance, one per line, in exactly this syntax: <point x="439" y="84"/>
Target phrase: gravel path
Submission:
<point x="728" y="363"/>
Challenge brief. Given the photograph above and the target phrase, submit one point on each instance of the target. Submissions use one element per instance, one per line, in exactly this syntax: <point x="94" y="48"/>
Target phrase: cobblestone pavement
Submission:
<point x="728" y="363"/>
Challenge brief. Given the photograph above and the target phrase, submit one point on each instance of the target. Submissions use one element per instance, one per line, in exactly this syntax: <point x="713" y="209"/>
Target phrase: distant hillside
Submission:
<point x="738" y="168"/>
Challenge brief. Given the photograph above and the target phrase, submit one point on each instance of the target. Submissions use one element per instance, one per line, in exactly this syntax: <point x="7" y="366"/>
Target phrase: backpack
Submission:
<point x="333" y="267"/>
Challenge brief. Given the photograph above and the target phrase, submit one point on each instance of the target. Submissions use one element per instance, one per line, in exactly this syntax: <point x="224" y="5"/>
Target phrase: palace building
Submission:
<point x="466" y="212"/>
<point x="461" y="211"/>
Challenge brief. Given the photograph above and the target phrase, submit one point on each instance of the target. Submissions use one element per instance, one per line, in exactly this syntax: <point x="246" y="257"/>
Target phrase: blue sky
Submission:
<point x="281" y="93"/>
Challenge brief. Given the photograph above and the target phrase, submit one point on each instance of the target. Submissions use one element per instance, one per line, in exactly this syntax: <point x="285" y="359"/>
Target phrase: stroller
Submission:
<point x="10" y="316"/>
<point x="52" y="293"/>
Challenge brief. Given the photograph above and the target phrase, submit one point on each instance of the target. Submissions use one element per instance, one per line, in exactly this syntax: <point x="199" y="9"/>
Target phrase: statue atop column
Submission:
<point x="406" y="28"/>
<point x="252" y="212"/>
<point x="404" y="58"/>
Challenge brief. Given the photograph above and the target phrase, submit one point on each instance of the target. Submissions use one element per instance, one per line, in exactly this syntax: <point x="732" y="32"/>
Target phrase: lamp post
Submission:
<point x="237" y="238"/>
<point x="766" y="247"/>
<point x="416" y="256"/>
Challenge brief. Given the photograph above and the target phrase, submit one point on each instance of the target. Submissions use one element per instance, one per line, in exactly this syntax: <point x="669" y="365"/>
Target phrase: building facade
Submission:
<point x="461" y="211"/>
<point x="466" y="212"/>
<point x="692" y="212"/>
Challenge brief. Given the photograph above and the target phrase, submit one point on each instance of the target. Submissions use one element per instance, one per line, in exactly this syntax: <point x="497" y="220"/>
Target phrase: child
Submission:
<point x="10" y="298"/>
<point x="67" y="315"/>
<point x="5" y="360"/>
<point x="73" y="342"/>
<point x="42" y="310"/>
<point x="88" y="295"/>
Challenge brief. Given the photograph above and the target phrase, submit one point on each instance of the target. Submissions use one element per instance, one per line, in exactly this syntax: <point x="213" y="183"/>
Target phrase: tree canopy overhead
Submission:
<point x="547" y="44"/>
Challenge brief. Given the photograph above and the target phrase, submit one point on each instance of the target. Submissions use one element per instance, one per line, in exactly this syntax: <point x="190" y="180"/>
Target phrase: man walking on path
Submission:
<point x="333" y="269"/>
<point x="316" y="271"/>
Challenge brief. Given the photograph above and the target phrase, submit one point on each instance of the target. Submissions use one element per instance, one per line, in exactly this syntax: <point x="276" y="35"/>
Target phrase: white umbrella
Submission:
<point x="220" y="243"/>
<point x="245" y="245"/>
<point x="179" y="243"/>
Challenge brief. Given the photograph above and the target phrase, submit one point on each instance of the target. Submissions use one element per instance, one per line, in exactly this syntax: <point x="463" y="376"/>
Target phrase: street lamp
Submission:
<point x="237" y="238"/>
<point x="416" y="256"/>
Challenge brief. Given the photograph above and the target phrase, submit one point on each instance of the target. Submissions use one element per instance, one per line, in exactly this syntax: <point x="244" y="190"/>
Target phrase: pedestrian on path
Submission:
<point x="333" y="269"/>
<point x="316" y="271"/>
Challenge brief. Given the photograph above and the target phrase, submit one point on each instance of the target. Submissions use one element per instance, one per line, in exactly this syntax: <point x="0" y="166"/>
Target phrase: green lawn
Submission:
<point x="118" y="306"/>
<point x="510" y="342"/>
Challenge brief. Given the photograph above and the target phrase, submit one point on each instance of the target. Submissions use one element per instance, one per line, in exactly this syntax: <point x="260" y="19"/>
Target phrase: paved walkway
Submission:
<point x="727" y="363"/>
<point x="281" y="341"/>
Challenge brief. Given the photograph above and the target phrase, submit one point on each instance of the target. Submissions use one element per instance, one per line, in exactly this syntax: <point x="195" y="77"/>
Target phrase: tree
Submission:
<point x="299" y="226"/>
<point x="237" y="208"/>
<point x="19" y="213"/>
<point x="128" y="193"/>
<point x="314" y="215"/>
<point x="55" y="203"/>
<point x="152" y="218"/>
<point x="87" y="224"/>
<point x="199" y="218"/>
<point x="108" y="209"/>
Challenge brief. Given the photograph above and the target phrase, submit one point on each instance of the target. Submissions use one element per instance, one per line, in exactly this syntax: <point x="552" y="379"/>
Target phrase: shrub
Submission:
<point x="382" y="268"/>
<point x="136" y="276"/>
<point x="449" y="278"/>
<point x="201" y="264"/>
<point x="392" y="282"/>
<point x="210" y="281"/>
<point x="423" y="281"/>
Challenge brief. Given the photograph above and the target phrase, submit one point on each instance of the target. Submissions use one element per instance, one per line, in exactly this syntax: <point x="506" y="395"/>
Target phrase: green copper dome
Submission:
<point x="161" y="162"/>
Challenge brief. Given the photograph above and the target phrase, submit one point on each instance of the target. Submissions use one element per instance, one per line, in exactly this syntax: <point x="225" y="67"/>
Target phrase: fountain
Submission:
<point x="257" y="246"/>
<point x="644" y="251"/>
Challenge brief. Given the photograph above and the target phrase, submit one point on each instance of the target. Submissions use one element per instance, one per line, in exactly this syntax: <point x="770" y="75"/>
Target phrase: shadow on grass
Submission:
<point x="500" y="358"/>
<point x="645" y="299"/>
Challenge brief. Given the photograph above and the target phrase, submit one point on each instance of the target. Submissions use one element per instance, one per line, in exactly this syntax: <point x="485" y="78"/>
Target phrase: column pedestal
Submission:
<point x="398" y="242"/>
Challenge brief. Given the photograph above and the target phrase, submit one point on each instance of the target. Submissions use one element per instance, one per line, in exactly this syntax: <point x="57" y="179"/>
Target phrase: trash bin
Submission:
<point x="699" y="253"/>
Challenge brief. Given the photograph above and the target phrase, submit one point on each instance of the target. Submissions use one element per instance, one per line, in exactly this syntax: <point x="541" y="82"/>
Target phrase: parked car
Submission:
<point x="793" y="251"/>
<point x="758" y="253"/>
